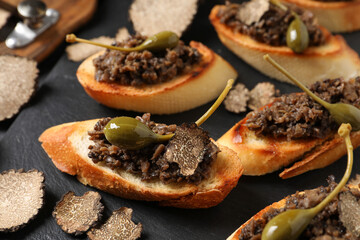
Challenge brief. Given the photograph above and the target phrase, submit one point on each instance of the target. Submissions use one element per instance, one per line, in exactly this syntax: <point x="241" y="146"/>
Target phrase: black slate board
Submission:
<point x="61" y="99"/>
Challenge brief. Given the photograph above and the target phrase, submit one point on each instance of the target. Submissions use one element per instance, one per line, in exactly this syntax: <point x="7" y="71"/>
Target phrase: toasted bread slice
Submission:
<point x="67" y="146"/>
<point x="335" y="16"/>
<point x="197" y="87"/>
<point x="331" y="60"/>
<point x="277" y="205"/>
<point x="261" y="155"/>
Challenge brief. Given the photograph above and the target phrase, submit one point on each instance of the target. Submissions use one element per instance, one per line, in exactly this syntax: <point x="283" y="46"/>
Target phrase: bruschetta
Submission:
<point x="336" y="16"/>
<point x="195" y="87"/>
<point x="330" y="59"/>
<point x="68" y="147"/>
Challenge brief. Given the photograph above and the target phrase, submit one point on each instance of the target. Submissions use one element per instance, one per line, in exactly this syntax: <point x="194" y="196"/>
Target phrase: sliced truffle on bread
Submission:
<point x="336" y="16"/>
<point x="17" y="83"/>
<point x="330" y="60"/>
<point x="321" y="227"/>
<point x="200" y="85"/>
<point x="67" y="146"/>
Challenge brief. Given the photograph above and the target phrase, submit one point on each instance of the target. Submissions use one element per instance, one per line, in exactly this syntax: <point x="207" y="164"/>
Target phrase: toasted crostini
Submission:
<point x="194" y="88"/>
<point x="68" y="147"/>
<point x="329" y="60"/>
<point x="336" y="16"/>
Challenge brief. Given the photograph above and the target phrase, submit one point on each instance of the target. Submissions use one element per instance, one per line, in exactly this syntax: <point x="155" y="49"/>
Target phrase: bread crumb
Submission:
<point x="79" y="51"/>
<point x="262" y="94"/>
<point x="152" y="16"/>
<point x="122" y="34"/>
<point x="237" y="99"/>
<point x="4" y="15"/>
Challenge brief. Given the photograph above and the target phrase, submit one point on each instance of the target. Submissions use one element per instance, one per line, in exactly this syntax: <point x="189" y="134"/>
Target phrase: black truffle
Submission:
<point x="75" y="215"/>
<point x="17" y="83"/>
<point x="187" y="147"/>
<point x="21" y="198"/>
<point x="349" y="213"/>
<point x="118" y="226"/>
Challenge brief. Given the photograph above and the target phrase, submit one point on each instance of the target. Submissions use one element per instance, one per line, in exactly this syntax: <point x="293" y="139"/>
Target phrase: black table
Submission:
<point x="60" y="99"/>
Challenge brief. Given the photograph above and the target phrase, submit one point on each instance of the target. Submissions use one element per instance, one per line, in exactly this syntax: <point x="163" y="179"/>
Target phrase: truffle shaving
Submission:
<point x="236" y="100"/>
<point x="355" y="181"/>
<point x="79" y="51"/>
<point x="17" y="83"/>
<point x="349" y="213"/>
<point x="187" y="148"/>
<point x="75" y="215"/>
<point x="262" y="94"/>
<point x="252" y="11"/>
<point x="122" y="34"/>
<point x="21" y="197"/>
<point x="152" y="16"/>
<point x="118" y="226"/>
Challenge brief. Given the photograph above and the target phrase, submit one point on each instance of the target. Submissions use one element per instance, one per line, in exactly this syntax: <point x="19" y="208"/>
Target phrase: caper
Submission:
<point x="130" y="133"/>
<point x="341" y="112"/>
<point x="155" y="43"/>
<point x="290" y="224"/>
<point x="297" y="36"/>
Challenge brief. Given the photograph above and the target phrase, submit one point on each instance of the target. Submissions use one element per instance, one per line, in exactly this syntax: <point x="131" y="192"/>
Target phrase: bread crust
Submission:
<point x="202" y="84"/>
<point x="335" y="16"/>
<point x="262" y="154"/>
<point x="330" y="60"/>
<point x="67" y="146"/>
<point x="277" y="205"/>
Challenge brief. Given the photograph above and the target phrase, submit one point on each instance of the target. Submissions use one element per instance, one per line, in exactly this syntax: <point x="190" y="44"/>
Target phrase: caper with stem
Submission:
<point x="297" y="35"/>
<point x="290" y="224"/>
<point x="130" y="133"/>
<point x="341" y="112"/>
<point x="155" y="43"/>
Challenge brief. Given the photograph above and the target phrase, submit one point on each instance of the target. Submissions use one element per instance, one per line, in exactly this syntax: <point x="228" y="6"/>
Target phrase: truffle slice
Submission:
<point x="237" y="98"/>
<point x="356" y="180"/>
<point x="349" y="213"/>
<point x="122" y="34"/>
<point x="262" y="94"/>
<point x="79" y="51"/>
<point x="75" y="215"/>
<point x="118" y="226"/>
<point x="187" y="148"/>
<point x="4" y="15"/>
<point x="152" y="16"/>
<point x="21" y="197"/>
<point x="17" y="83"/>
<point x="252" y="11"/>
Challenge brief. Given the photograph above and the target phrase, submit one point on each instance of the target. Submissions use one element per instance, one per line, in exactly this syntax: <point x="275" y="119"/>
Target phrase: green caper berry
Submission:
<point x="297" y="36"/>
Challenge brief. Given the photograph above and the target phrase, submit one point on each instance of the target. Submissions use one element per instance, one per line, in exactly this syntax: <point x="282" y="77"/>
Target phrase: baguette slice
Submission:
<point x="331" y="60"/>
<point x="277" y="205"/>
<point x="262" y="154"/>
<point x="67" y="146"/>
<point x="335" y="16"/>
<point x="199" y="86"/>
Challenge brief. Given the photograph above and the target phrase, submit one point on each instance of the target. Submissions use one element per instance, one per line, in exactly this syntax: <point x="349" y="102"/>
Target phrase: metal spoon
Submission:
<point x="155" y="43"/>
<point x="341" y="112"/>
<point x="290" y="224"/>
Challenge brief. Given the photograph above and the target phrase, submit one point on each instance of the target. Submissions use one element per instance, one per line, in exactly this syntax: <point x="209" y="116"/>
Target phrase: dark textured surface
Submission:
<point x="61" y="99"/>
